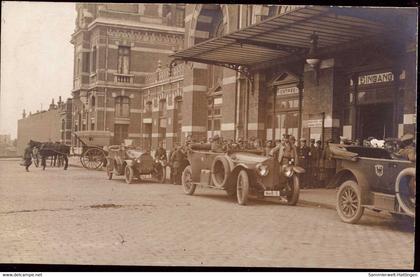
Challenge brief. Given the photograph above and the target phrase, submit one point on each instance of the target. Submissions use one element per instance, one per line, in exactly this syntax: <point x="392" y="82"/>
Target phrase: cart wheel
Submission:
<point x="242" y="187"/>
<point x="129" y="174"/>
<point x="187" y="184"/>
<point x="349" y="206"/>
<point x="293" y="196"/>
<point x="92" y="158"/>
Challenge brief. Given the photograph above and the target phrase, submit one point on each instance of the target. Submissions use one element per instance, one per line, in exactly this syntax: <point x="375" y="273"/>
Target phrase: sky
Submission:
<point x="36" y="58"/>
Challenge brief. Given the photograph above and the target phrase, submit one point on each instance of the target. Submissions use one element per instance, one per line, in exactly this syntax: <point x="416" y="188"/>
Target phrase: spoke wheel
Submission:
<point x="187" y="183"/>
<point x="294" y="190"/>
<point x="349" y="206"/>
<point x="129" y="174"/>
<point x="92" y="158"/>
<point x="242" y="187"/>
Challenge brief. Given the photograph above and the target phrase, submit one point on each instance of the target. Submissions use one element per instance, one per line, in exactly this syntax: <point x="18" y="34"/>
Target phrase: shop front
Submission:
<point x="316" y="72"/>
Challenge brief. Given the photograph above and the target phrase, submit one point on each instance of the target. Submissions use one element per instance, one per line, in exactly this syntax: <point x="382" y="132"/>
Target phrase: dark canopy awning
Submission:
<point x="288" y="35"/>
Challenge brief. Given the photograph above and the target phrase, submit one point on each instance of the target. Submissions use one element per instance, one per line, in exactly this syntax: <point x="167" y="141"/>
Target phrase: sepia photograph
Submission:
<point x="208" y="136"/>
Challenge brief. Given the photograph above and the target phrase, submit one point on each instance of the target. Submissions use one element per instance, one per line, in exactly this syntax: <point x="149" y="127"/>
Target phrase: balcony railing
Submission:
<point x="164" y="74"/>
<point x="123" y="78"/>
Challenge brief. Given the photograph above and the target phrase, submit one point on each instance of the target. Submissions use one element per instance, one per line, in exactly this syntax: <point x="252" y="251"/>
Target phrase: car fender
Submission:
<point x="348" y="174"/>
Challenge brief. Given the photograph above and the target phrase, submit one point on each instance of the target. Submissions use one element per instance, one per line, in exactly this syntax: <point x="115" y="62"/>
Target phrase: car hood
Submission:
<point x="249" y="157"/>
<point x="134" y="154"/>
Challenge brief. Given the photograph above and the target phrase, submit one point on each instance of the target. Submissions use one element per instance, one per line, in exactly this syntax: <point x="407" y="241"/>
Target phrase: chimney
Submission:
<point x="52" y="105"/>
<point x="24" y="113"/>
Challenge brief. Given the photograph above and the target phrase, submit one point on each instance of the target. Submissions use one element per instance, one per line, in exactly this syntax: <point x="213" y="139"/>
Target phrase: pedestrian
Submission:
<point x="27" y="157"/>
<point x="268" y="147"/>
<point x="329" y="164"/>
<point x="178" y="160"/>
<point x="160" y="153"/>
<point x="293" y="150"/>
<point x="319" y="169"/>
<point x="303" y="154"/>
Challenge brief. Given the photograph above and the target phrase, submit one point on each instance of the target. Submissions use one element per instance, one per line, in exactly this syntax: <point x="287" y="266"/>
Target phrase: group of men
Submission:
<point x="315" y="158"/>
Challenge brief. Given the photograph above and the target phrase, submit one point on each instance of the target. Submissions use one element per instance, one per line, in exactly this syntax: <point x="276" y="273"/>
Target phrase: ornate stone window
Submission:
<point x="123" y="60"/>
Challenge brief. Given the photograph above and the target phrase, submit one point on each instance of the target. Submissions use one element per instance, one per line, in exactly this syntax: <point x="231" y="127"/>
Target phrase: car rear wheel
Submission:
<point x="187" y="183"/>
<point x="293" y="195"/>
<point x="129" y="174"/>
<point x="349" y="206"/>
<point x="242" y="187"/>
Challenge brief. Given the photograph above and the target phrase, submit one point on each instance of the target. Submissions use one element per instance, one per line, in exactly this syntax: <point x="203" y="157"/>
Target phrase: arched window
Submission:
<point x="122" y="106"/>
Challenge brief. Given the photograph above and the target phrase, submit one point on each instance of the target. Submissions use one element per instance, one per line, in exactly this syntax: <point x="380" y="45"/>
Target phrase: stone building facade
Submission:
<point x="115" y="47"/>
<point x="364" y="88"/>
<point x="45" y="126"/>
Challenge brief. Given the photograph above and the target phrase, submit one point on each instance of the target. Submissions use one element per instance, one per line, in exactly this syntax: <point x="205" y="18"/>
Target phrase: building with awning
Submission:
<point x="311" y="71"/>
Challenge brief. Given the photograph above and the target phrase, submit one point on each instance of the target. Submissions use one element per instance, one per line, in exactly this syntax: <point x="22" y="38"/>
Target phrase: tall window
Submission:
<point x="85" y="61"/>
<point x="123" y="59"/>
<point x="122" y="106"/>
<point x="214" y="115"/>
<point x="93" y="59"/>
<point x="180" y="17"/>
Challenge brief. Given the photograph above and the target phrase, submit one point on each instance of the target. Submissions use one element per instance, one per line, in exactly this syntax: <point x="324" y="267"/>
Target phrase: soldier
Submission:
<point x="216" y="145"/>
<point x="407" y="150"/>
<point x="293" y="150"/>
<point x="329" y="164"/>
<point x="303" y="153"/>
<point x="177" y="160"/>
<point x="27" y="157"/>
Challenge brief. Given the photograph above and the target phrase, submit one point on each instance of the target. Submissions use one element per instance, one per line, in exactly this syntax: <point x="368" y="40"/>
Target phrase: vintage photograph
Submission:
<point x="208" y="135"/>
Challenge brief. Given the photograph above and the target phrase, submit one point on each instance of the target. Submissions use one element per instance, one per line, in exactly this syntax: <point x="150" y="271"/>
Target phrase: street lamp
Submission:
<point x="313" y="59"/>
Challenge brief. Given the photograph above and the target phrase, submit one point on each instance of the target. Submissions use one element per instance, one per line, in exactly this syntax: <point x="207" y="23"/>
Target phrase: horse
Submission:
<point x="50" y="149"/>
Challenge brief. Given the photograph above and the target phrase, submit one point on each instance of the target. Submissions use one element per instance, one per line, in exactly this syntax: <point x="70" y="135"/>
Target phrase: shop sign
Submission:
<point x="287" y="91"/>
<point x="314" y="123"/>
<point x="376" y="78"/>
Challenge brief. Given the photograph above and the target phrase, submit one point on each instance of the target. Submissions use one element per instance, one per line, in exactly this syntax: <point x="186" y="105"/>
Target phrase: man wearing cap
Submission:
<point x="312" y="163"/>
<point x="329" y="164"/>
<point x="303" y="152"/>
<point x="216" y="145"/>
<point x="407" y="150"/>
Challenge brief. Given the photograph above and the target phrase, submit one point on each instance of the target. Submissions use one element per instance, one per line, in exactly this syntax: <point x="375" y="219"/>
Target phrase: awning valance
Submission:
<point x="287" y="35"/>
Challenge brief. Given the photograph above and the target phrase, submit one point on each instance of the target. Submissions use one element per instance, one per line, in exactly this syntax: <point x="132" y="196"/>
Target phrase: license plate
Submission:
<point x="148" y="176"/>
<point x="272" y="193"/>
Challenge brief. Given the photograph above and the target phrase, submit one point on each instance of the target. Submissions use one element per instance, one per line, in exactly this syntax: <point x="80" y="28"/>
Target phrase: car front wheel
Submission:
<point x="293" y="195"/>
<point x="187" y="183"/>
<point x="349" y="206"/>
<point x="242" y="187"/>
<point x="129" y="174"/>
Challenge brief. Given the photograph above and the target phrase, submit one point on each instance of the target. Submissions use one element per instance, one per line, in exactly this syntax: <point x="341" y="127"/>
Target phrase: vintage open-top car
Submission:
<point x="373" y="178"/>
<point x="133" y="163"/>
<point x="241" y="173"/>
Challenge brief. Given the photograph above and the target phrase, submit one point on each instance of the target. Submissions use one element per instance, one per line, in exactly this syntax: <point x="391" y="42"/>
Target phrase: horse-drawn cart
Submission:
<point x="93" y="156"/>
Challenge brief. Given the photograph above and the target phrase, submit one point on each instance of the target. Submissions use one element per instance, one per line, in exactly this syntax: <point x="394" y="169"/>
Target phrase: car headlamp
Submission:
<point x="288" y="171"/>
<point x="262" y="169"/>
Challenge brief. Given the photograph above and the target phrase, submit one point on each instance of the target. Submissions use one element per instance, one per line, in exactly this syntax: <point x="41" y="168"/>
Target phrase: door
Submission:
<point x="120" y="133"/>
<point x="375" y="120"/>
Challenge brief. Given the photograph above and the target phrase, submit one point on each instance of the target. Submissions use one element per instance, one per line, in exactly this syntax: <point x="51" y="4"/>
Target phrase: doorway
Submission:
<point x="375" y="120"/>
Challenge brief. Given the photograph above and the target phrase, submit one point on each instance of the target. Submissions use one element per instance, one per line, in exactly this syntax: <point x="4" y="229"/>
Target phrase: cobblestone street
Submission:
<point x="79" y="217"/>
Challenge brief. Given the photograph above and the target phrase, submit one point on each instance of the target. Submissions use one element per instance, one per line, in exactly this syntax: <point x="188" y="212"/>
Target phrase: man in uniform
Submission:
<point x="303" y="153"/>
<point x="216" y="145"/>
<point x="407" y="150"/>
<point x="160" y="153"/>
<point x="329" y="164"/>
<point x="27" y="157"/>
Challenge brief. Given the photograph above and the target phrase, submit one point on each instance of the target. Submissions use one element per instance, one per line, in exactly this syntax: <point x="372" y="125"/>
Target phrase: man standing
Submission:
<point x="27" y="157"/>
<point x="312" y="163"/>
<point x="329" y="164"/>
<point x="178" y="160"/>
<point x="160" y="153"/>
<point x="303" y="153"/>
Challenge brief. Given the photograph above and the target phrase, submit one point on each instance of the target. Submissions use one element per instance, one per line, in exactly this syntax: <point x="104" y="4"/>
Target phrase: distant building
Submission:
<point x="51" y="125"/>
<point x="115" y="47"/>
<point x="7" y="148"/>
